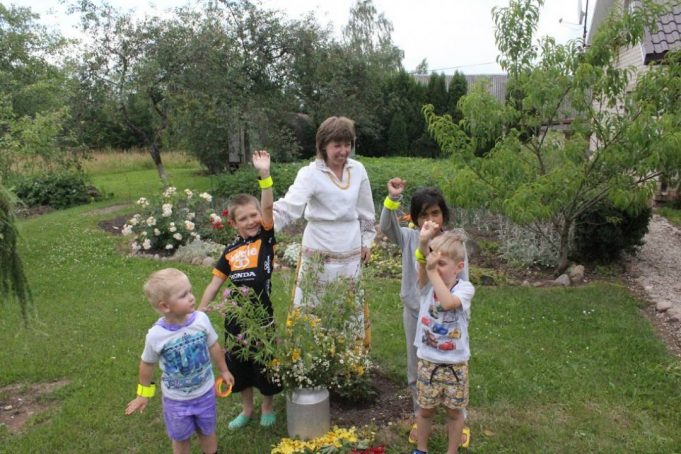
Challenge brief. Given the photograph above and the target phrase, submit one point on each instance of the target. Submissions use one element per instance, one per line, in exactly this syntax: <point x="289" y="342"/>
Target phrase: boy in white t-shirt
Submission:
<point x="442" y="333"/>
<point x="183" y="342"/>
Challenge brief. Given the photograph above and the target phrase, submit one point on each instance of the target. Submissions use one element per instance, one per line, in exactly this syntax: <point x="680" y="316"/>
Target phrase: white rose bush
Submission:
<point x="175" y="219"/>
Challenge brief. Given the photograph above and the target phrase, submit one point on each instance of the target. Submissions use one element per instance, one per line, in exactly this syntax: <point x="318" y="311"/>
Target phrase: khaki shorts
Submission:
<point x="442" y="384"/>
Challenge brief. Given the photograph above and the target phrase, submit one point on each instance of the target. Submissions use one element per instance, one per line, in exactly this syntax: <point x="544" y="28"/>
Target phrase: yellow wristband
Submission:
<point x="146" y="391"/>
<point x="419" y="256"/>
<point x="391" y="204"/>
<point x="266" y="183"/>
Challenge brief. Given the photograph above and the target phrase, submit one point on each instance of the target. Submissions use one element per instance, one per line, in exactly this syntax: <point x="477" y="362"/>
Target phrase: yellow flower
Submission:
<point x="295" y="355"/>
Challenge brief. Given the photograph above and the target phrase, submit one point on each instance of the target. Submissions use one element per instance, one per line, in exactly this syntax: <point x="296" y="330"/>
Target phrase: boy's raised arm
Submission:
<point x="261" y="162"/>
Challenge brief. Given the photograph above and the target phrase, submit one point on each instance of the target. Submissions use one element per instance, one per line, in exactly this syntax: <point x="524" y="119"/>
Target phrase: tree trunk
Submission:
<point x="156" y="157"/>
<point x="563" y="262"/>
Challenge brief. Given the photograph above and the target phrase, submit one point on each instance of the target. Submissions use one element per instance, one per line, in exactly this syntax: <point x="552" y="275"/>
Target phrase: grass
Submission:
<point x="553" y="370"/>
<point x="673" y="215"/>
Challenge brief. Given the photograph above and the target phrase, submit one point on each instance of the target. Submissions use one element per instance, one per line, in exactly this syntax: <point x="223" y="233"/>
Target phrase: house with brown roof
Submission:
<point x="652" y="49"/>
<point x="655" y="44"/>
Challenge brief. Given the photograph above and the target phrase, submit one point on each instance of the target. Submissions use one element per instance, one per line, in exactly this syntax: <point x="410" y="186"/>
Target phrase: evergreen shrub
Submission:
<point x="604" y="232"/>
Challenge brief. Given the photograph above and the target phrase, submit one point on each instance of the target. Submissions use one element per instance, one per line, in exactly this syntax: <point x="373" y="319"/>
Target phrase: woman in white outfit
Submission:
<point x="334" y="196"/>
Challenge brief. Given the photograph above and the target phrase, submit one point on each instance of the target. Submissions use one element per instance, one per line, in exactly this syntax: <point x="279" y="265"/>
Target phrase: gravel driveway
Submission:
<point x="657" y="271"/>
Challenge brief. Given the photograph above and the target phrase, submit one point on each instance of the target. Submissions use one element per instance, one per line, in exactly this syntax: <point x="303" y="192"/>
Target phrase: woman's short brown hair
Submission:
<point x="340" y="129"/>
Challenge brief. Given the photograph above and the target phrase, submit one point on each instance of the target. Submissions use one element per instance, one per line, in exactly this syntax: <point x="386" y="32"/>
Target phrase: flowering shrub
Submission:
<point x="174" y="219"/>
<point x="291" y="254"/>
<point x="338" y="440"/>
<point x="316" y="347"/>
<point x="386" y="259"/>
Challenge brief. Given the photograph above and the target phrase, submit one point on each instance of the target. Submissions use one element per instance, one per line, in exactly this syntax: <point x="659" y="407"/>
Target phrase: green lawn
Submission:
<point x="553" y="370"/>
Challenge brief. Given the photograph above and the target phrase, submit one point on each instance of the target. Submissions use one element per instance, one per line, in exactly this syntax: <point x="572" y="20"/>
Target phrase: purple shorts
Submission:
<point x="184" y="417"/>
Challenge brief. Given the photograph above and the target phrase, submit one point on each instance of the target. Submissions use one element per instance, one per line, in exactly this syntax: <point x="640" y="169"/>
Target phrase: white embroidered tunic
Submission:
<point x="340" y="214"/>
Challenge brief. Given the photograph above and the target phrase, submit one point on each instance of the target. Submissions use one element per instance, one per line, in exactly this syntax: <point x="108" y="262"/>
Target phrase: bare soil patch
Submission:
<point x="113" y="226"/>
<point x="392" y="404"/>
<point x="19" y="402"/>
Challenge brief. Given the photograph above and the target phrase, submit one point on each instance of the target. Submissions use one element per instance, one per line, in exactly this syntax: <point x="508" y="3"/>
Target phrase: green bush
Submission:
<point x="59" y="190"/>
<point x="604" y="232"/>
<point x="418" y="172"/>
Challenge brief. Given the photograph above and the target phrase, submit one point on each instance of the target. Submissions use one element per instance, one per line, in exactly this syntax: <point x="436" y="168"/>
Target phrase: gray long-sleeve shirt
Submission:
<point x="408" y="240"/>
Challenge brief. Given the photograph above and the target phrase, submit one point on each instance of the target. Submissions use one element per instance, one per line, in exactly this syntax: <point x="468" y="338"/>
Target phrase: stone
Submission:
<point x="157" y="257"/>
<point x="674" y="314"/>
<point x="472" y="248"/>
<point x="197" y="260"/>
<point x="487" y="280"/>
<point x="663" y="306"/>
<point x="208" y="261"/>
<point x="576" y="274"/>
<point x="538" y="284"/>
<point x="563" y="280"/>
<point x="525" y="283"/>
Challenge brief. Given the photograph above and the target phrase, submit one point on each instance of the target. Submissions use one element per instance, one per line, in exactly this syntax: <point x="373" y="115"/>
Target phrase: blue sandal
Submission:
<point x="268" y="419"/>
<point x="239" y="422"/>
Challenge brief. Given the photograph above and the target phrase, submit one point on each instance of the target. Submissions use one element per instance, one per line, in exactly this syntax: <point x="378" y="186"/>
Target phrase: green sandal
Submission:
<point x="268" y="419"/>
<point x="239" y="422"/>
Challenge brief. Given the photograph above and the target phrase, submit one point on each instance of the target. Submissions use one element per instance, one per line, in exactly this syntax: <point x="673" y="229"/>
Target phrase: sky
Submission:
<point x="450" y="34"/>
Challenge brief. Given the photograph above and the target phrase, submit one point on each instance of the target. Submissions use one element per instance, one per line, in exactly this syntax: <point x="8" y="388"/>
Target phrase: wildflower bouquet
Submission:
<point x="317" y="346"/>
<point x="174" y="219"/>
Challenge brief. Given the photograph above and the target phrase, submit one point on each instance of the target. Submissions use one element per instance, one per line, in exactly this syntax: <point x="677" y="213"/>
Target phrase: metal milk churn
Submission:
<point x="307" y="413"/>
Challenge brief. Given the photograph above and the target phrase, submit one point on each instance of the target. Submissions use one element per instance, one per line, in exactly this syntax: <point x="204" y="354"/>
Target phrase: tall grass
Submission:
<point x="116" y="161"/>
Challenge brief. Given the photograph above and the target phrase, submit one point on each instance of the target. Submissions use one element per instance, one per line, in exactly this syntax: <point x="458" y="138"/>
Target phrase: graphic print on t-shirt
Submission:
<point x="245" y="256"/>
<point x="186" y="362"/>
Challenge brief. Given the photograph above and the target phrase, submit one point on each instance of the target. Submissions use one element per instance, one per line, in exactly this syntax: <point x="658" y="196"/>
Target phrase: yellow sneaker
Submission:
<point x="412" y="434"/>
<point x="465" y="437"/>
